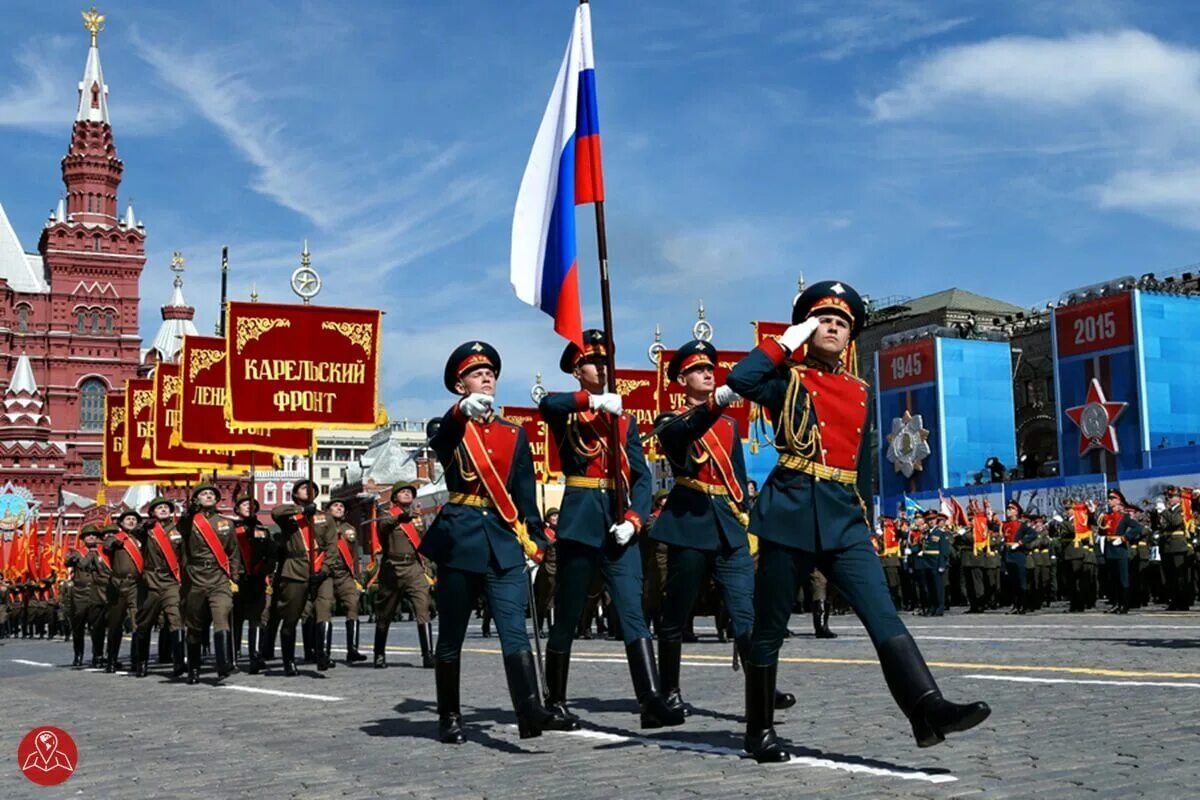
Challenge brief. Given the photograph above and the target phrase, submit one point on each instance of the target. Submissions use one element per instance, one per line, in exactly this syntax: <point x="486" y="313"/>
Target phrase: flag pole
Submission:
<point x="614" y="434"/>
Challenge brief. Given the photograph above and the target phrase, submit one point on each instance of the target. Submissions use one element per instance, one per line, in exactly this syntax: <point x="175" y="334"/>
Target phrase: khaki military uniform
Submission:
<point x="1176" y="552"/>
<point x="209" y="591"/>
<point x="402" y="573"/>
<point x="122" y="591"/>
<point x="343" y="564"/>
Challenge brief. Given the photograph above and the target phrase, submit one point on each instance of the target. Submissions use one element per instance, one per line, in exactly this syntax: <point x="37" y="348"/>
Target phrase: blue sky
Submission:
<point x="1014" y="149"/>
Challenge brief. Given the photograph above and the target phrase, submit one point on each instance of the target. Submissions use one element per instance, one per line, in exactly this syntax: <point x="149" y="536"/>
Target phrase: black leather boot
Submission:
<point x="669" y="656"/>
<point x="223" y="652"/>
<point x="254" y="661"/>
<point x="446" y="675"/>
<point x="266" y="642"/>
<point x="164" y="644"/>
<point x="327" y="645"/>
<point x="425" y="634"/>
<point x="381" y="632"/>
<point x="141" y="653"/>
<point x="308" y="635"/>
<point x="918" y="696"/>
<point x="655" y="711"/>
<point x="178" y="653"/>
<point x="782" y="699"/>
<point x="557" y="666"/>
<point x="820" y="615"/>
<point x="532" y="716"/>
<point x="194" y="649"/>
<point x="77" y="644"/>
<point x="320" y="653"/>
<point x="287" y="649"/>
<point x="114" y="652"/>
<point x="760" y="741"/>
<point x="97" y="649"/>
<point x="352" y="654"/>
<point x="825" y="611"/>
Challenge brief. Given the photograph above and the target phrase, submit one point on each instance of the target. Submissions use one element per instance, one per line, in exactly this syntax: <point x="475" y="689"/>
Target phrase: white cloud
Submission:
<point x="1128" y="71"/>
<point x="723" y="253"/>
<point x="1134" y="95"/>
<point x="839" y="30"/>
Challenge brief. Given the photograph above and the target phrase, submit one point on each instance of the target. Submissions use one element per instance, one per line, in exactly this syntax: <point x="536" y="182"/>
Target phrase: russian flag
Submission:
<point x="563" y="171"/>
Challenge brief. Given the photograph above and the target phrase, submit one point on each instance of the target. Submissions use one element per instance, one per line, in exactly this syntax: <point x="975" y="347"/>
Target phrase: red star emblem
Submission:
<point x="1096" y="419"/>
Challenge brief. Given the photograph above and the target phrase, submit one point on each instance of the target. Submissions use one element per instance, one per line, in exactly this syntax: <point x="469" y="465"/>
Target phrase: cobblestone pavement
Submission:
<point x="1083" y="706"/>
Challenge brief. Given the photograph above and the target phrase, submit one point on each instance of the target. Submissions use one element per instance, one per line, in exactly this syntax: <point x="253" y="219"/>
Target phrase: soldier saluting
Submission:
<point x="401" y="575"/>
<point x="213" y="566"/>
<point x="703" y="523"/>
<point x="810" y="513"/>
<point x="482" y="537"/>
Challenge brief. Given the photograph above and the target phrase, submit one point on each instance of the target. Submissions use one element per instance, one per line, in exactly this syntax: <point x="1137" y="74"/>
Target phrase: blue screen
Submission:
<point x="975" y="378"/>
<point x="1170" y="337"/>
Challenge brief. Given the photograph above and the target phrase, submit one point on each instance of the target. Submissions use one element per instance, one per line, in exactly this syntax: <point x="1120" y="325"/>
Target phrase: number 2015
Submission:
<point x="1098" y="328"/>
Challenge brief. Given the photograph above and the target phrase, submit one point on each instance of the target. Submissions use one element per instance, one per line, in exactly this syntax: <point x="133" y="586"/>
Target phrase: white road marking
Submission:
<point x="925" y="638"/>
<point x="1076" y="628"/>
<point x="280" y="693"/>
<point x="1016" y="679"/>
<point x="622" y="660"/>
<point x="796" y="761"/>
<point x="30" y="663"/>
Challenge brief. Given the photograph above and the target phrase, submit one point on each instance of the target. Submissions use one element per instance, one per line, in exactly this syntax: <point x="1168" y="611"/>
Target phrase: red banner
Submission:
<point x="671" y="397"/>
<point x="639" y="396"/>
<point x="1079" y="520"/>
<point x="1100" y="324"/>
<point x="546" y="465"/>
<point x="112" y="471"/>
<point x="301" y="366"/>
<point x="906" y="364"/>
<point x="768" y="330"/>
<point x="1189" y="519"/>
<point x="202" y="422"/>
<point x="168" y="449"/>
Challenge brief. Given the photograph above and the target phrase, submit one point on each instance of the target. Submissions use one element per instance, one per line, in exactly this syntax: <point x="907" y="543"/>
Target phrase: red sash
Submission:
<point x="200" y="523"/>
<point x="131" y="548"/>
<point x="550" y="534"/>
<point x="600" y="428"/>
<point x="410" y="531"/>
<point x="164" y="543"/>
<point x="315" y="560"/>
<point x="712" y="445"/>
<point x="103" y="556"/>
<point x="347" y="556"/>
<point x="1010" y="531"/>
<point x="243" y="538"/>
<point x="488" y="476"/>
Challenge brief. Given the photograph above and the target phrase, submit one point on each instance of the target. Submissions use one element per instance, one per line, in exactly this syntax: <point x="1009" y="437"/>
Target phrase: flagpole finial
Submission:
<point x="93" y="23"/>
<point x="656" y="348"/>
<point x="800" y="282"/>
<point x="703" y="329"/>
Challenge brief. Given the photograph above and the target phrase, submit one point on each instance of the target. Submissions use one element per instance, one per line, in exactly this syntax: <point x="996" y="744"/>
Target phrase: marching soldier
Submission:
<point x="654" y="566"/>
<point x="887" y="546"/>
<point x="85" y="612"/>
<point x="128" y="564"/>
<point x="482" y="537"/>
<point x="992" y="562"/>
<point x="160" y="589"/>
<point x="213" y="566"/>
<point x="402" y="575"/>
<point x="342" y="586"/>
<point x="258" y="560"/>
<point x="1175" y="552"/>
<point x="590" y="540"/>
<point x="704" y="521"/>
<point x="811" y="513"/>
<point x="301" y="565"/>
<point x="544" y="582"/>
<point x="935" y="557"/>
<point x="1019" y="539"/>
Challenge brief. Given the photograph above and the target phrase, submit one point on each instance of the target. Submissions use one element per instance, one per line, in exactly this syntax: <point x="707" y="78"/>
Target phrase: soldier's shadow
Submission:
<point x="1169" y="644"/>
<point x="629" y="705"/>
<point x="418" y="720"/>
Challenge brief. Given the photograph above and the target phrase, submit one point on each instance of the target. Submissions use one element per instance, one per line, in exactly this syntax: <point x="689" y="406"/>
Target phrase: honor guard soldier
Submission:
<point x="125" y="555"/>
<point x="888" y="548"/>
<point x="482" y="537"/>
<point x="703" y="523"/>
<point x="402" y="575"/>
<point x="811" y="513"/>
<point x="589" y="539"/>
<point x="1119" y="531"/>
<point x="301" y="565"/>
<point x="934" y="557"/>
<point x="258" y="561"/>
<point x="1176" y="550"/>
<point x="213" y="566"/>
<point x="85" y="610"/>
<point x="1019" y="540"/>
<point x="343" y="583"/>
<point x="162" y="546"/>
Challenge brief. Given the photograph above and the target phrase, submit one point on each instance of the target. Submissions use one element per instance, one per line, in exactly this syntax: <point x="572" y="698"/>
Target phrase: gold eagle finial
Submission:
<point x="93" y="22"/>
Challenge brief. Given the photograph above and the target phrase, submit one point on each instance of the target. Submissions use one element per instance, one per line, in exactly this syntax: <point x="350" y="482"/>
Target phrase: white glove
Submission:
<point x="606" y="401"/>
<point x="797" y="335"/>
<point x="622" y="532"/>
<point x="530" y="564"/>
<point x="723" y="396"/>
<point x="476" y="405"/>
<point x="1057" y="518"/>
